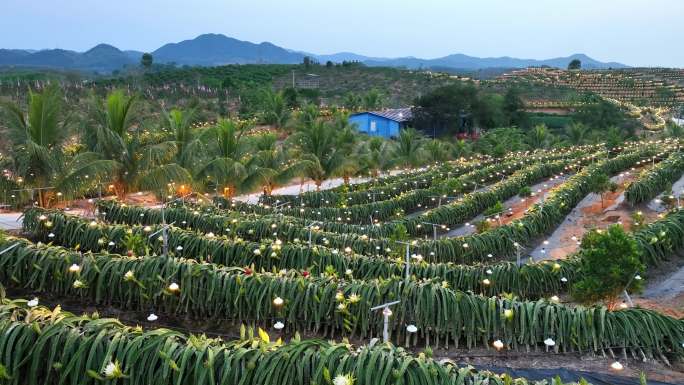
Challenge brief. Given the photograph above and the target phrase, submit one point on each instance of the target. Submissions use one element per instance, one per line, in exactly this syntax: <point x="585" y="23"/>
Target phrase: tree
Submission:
<point x="575" y="64"/>
<point x="307" y="61"/>
<point x="499" y="141"/>
<point x="613" y="137"/>
<point x="488" y="111"/>
<point x="674" y="130"/>
<point x="461" y="149"/>
<point x="276" y="164"/>
<point x="222" y="166"/>
<point x="436" y="150"/>
<point x="576" y="133"/>
<point x="600" y="114"/>
<point x="514" y="108"/>
<point x="142" y="162"/>
<point x="352" y="101"/>
<point x="601" y="184"/>
<point x="319" y="144"/>
<point x="445" y="109"/>
<point x="609" y="261"/>
<point x="275" y="109"/>
<point x="375" y="155"/>
<point x="329" y="64"/>
<point x="37" y="137"/>
<point x="291" y="97"/>
<point x="307" y="116"/>
<point x="372" y="100"/>
<point x="539" y="136"/>
<point x="146" y="60"/>
<point x="408" y="150"/>
<point x="180" y="124"/>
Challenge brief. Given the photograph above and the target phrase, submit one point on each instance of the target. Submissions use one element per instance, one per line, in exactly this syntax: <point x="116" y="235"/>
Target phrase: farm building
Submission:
<point x="385" y="123"/>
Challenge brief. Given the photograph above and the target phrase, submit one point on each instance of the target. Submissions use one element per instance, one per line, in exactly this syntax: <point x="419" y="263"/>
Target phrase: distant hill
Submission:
<point x="460" y="61"/>
<point x="101" y="58"/>
<point x="216" y="49"/>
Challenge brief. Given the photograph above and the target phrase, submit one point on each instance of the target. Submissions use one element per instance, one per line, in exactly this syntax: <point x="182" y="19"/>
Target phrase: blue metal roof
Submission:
<point x="396" y="114"/>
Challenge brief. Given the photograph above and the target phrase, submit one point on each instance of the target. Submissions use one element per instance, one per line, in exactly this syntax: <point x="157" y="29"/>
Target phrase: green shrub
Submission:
<point x="496" y="209"/>
<point x="609" y="262"/>
<point x="525" y="192"/>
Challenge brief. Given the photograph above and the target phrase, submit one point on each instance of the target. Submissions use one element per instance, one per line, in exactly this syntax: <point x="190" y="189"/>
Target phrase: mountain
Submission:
<point x="465" y="62"/>
<point x="345" y="56"/>
<point x="101" y="58"/>
<point x="104" y="58"/>
<point x="216" y="49"/>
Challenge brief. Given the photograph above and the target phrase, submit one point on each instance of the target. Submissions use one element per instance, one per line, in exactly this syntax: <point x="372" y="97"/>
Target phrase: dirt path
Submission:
<point x="514" y="207"/>
<point x="664" y="289"/>
<point x="10" y="221"/>
<point x="298" y="188"/>
<point x="590" y="213"/>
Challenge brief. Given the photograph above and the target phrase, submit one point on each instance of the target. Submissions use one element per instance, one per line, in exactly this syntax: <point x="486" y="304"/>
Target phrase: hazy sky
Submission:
<point x="634" y="32"/>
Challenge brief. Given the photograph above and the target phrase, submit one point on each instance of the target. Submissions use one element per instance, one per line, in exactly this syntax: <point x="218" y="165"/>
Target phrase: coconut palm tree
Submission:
<point x="352" y="101"/>
<point x="673" y="130"/>
<point x="143" y="162"/>
<point x="375" y="155"/>
<point x="37" y="137"/>
<point x="461" y="149"/>
<point x="372" y="100"/>
<point x="539" y="136"/>
<point x="319" y="143"/>
<point x="436" y="150"/>
<point x="274" y="165"/>
<point x="276" y="112"/>
<point x="576" y="133"/>
<point x="613" y="137"/>
<point x="408" y="150"/>
<point x="307" y="116"/>
<point x="179" y="122"/>
<point x="224" y="164"/>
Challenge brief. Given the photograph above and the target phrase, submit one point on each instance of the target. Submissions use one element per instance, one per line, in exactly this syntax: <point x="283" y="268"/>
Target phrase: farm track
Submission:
<point x="511" y="203"/>
<point x="297" y="188"/>
<point x="587" y="214"/>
